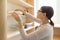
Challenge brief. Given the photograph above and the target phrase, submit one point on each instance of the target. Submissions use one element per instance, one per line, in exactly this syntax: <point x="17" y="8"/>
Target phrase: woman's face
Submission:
<point x="41" y="15"/>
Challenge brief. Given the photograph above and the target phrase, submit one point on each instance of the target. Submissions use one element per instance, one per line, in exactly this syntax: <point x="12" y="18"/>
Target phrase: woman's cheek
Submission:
<point x="38" y="16"/>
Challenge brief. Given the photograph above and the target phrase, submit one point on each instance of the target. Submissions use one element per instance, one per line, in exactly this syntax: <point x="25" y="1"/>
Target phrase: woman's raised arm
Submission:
<point x="20" y="24"/>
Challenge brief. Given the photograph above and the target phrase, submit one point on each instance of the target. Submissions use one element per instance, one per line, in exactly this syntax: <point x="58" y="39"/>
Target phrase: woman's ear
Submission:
<point x="44" y="14"/>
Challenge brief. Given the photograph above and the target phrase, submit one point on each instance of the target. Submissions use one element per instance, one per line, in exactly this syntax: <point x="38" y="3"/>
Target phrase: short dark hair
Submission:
<point x="49" y="12"/>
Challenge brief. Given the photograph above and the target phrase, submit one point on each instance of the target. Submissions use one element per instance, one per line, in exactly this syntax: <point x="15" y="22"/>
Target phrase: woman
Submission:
<point x="44" y="31"/>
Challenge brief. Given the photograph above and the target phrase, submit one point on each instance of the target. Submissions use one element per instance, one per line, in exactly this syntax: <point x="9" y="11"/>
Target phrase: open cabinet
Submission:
<point x="13" y="5"/>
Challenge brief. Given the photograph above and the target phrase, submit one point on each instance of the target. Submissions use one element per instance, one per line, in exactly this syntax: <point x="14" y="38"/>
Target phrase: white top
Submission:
<point x="44" y="32"/>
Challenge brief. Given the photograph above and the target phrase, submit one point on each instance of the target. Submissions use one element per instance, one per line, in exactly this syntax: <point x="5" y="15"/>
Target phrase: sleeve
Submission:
<point x="22" y="32"/>
<point x="33" y="18"/>
<point x="40" y="33"/>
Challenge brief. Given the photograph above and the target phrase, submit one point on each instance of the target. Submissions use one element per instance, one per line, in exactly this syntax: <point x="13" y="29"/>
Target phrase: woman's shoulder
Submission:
<point x="46" y="27"/>
<point x="49" y="25"/>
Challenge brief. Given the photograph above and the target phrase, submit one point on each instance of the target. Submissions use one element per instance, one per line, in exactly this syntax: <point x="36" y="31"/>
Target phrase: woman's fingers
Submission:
<point x="17" y="18"/>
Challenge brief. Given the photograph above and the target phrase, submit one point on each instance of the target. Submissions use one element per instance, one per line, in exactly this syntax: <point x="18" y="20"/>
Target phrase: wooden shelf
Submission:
<point x="12" y="34"/>
<point x="30" y="2"/>
<point x="21" y="2"/>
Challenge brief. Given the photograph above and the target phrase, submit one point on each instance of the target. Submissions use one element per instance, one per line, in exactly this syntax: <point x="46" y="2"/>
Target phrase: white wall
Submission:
<point x="53" y="3"/>
<point x="58" y="11"/>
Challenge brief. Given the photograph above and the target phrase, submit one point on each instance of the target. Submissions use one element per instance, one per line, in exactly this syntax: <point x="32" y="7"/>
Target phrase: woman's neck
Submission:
<point x="44" y="21"/>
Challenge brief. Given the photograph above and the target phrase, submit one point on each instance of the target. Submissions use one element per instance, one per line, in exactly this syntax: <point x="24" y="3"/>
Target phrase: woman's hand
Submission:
<point x="18" y="19"/>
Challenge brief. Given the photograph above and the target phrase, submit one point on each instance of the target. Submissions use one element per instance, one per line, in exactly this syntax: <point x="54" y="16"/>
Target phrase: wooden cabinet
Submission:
<point x="21" y="5"/>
